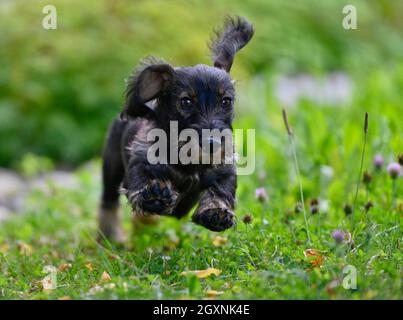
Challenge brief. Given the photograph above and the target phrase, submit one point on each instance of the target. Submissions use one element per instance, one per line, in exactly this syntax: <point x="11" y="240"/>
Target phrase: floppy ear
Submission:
<point x="236" y="34"/>
<point x="147" y="84"/>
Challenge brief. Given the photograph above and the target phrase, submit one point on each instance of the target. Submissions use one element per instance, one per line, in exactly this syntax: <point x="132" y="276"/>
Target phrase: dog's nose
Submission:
<point x="212" y="145"/>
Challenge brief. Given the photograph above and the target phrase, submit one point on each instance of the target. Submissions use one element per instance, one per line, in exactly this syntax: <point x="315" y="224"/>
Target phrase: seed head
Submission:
<point x="314" y="204"/>
<point x="247" y="219"/>
<point x="400" y="159"/>
<point x="348" y="209"/>
<point x="394" y="170"/>
<point x="366" y="178"/>
<point x="287" y="125"/>
<point x="366" y="123"/>
<point x="378" y="161"/>
<point x="368" y="206"/>
<point x="298" y="208"/>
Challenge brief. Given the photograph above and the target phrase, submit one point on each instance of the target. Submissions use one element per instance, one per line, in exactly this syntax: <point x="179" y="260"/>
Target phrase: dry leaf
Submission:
<point x="24" y="248"/>
<point x="314" y="257"/>
<point x="64" y="298"/>
<point x="64" y="266"/>
<point x="219" y="241"/>
<point x="105" y="277"/>
<point x="227" y="285"/>
<point x="110" y="286"/>
<point x="213" y="293"/>
<point x="203" y="273"/>
<point x="89" y="266"/>
<point x="50" y="281"/>
<point x="95" y="289"/>
<point x="4" y="247"/>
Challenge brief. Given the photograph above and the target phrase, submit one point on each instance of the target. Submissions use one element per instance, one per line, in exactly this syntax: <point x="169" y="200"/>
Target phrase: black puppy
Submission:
<point x="197" y="97"/>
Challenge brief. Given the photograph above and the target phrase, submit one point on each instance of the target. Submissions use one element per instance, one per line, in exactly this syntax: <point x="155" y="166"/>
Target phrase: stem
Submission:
<point x="359" y="180"/>
<point x="394" y="193"/>
<point x="300" y="184"/>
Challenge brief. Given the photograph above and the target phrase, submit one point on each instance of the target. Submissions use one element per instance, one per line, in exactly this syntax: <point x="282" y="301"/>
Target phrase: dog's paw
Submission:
<point x="158" y="197"/>
<point x="215" y="219"/>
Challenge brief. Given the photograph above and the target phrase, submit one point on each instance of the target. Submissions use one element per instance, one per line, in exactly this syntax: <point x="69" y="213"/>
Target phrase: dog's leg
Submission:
<point x="149" y="188"/>
<point x="215" y="210"/>
<point x="109" y="217"/>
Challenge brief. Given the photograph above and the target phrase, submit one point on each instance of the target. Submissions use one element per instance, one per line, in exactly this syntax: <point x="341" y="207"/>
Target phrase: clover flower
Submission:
<point x="261" y="194"/>
<point x="338" y="236"/>
<point x="378" y="161"/>
<point x="394" y="170"/>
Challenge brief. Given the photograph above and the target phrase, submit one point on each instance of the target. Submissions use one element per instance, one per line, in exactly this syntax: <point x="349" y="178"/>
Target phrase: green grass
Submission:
<point x="259" y="260"/>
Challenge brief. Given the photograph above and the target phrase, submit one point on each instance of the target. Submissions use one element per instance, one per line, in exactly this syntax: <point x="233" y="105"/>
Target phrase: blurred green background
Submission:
<point x="59" y="89"/>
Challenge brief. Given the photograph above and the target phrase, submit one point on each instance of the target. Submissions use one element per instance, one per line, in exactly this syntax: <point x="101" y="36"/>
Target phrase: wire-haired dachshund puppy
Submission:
<point x="197" y="97"/>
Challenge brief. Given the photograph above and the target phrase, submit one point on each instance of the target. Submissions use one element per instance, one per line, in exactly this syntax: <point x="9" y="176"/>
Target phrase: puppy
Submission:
<point x="196" y="98"/>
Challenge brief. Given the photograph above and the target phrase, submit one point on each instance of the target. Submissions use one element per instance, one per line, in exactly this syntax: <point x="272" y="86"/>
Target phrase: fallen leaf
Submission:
<point x="64" y="298"/>
<point x="105" y="277"/>
<point x="95" y="289"/>
<point x="24" y="248"/>
<point x="64" y="266"/>
<point x="114" y="257"/>
<point x="89" y="266"/>
<point x="4" y="247"/>
<point x="213" y="293"/>
<point x="50" y="281"/>
<point x="227" y="285"/>
<point x="202" y="273"/>
<point x="219" y="241"/>
<point x="110" y="286"/>
<point x="314" y="257"/>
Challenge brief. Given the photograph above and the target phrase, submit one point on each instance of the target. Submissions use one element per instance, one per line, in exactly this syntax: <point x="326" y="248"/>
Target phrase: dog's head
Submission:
<point x="198" y="97"/>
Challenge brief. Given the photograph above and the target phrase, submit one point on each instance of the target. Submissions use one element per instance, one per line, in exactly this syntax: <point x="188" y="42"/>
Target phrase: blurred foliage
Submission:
<point x="59" y="89"/>
<point x="32" y="165"/>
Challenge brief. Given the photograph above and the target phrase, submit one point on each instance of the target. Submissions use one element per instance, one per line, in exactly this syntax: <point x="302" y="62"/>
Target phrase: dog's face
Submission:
<point x="199" y="97"/>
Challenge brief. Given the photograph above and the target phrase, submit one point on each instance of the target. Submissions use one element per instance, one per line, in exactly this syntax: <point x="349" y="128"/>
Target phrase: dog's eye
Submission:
<point x="186" y="103"/>
<point x="226" y="102"/>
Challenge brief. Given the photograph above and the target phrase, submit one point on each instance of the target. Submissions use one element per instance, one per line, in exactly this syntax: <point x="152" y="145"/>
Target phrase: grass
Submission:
<point x="263" y="261"/>
<point x="259" y="260"/>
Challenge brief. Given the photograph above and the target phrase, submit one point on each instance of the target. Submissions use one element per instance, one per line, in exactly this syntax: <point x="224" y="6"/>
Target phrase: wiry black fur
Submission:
<point x="153" y="99"/>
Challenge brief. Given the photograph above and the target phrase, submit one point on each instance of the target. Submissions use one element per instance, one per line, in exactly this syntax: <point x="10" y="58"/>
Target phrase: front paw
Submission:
<point x="158" y="197"/>
<point x="214" y="218"/>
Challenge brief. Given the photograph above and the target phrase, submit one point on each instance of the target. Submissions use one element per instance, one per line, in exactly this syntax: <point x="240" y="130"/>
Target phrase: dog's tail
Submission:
<point x="225" y="44"/>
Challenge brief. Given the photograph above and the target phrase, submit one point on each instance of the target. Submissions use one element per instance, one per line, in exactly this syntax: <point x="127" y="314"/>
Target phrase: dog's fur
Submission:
<point x="194" y="96"/>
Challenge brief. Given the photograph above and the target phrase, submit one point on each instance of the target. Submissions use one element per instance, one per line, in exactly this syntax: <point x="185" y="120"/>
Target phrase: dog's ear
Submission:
<point x="225" y="44"/>
<point x="145" y="85"/>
